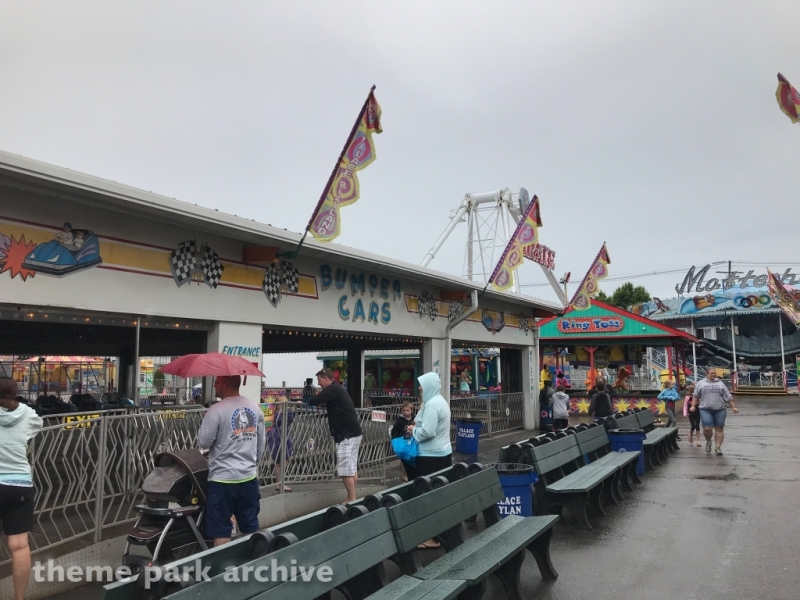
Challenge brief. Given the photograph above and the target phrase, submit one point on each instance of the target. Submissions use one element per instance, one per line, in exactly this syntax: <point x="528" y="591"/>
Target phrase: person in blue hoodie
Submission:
<point x="431" y="429"/>
<point x="18" y="424"/>
<point x="670" y="396"/>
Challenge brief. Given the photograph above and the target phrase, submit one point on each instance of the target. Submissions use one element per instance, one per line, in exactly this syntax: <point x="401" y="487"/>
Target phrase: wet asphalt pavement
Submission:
<point x="699" y="527"/>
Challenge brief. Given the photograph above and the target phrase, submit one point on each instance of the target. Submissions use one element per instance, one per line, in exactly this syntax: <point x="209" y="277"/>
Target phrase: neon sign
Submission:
<point x="591" y="324"/>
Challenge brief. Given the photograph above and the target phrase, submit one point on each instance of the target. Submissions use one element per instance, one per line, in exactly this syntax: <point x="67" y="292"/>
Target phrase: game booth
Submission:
<point x="612" y="343"/>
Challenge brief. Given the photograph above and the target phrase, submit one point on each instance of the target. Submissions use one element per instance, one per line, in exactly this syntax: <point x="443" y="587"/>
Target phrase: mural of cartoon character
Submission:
<point x="71" y="250"/>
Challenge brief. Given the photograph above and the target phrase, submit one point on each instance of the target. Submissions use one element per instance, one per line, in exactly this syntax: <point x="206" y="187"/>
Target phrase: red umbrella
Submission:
<point x="211" y="364"/>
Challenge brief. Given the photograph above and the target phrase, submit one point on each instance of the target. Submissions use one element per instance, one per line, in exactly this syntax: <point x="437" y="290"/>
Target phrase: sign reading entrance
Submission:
<point x="591" y="324"/>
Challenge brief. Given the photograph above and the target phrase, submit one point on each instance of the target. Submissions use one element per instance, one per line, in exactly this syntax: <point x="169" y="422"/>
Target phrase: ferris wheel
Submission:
<point x="491" y="219"/>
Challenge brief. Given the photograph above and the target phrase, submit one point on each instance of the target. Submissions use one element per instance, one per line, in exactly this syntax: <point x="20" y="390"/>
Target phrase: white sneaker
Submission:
<point x="708" y="447"/>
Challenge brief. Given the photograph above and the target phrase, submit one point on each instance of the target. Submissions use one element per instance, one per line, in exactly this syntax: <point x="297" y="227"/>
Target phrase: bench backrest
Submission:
<point x="591" y="440"/>
<point x="236" y="552"/>
<point x="646" y="419"/>
<point x="556" y="454"/>
<point x="349" y="549"/>
<point x="434" y="512"/>
<point x="628" y="422"/>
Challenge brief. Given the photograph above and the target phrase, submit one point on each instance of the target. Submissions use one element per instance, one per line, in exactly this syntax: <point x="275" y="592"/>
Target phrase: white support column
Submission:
<point x="783" y="352"/>
<point x="734" y="372"/>
<point x="239" y="339"/>
<point x="694" y="355"/>
<point x="436" y="358"/>
<point x="530" y="385"/>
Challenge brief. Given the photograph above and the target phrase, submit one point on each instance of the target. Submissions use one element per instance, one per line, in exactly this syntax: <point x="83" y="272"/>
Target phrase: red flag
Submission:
<point x="788" y="99"/>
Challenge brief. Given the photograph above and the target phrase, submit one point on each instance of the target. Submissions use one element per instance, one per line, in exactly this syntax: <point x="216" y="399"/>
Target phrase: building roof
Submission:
<point x="733" y="301"/>
<point x="28" y="174"/>
<point x="623" y="325"/>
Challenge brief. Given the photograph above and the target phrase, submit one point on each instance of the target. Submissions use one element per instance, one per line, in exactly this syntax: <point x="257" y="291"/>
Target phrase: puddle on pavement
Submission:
<point x="728" y="477"/>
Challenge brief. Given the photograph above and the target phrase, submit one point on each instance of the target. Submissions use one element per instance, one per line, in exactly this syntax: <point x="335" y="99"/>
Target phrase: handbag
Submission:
<point x="407" y="449"/>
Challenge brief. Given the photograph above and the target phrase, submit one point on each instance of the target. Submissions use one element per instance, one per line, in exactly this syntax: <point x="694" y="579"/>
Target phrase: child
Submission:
<point x="400" y="429"/>
<point x="692" y="415"/>
<point x="560" y="409"/>
<point x="274" y="439"/>
<point x="561" y="380"/>
<point x="670" y="396"/>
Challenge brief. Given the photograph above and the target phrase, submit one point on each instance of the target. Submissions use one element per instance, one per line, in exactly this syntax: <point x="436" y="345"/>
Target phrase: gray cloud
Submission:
<point x="652" y="126"/>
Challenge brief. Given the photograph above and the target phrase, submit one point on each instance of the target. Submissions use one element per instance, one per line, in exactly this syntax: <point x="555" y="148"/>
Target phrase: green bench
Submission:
<point x="239" y="551"/>
<point x="595" y="446"/>
<point x="355" y="550"/>
<point x="499" y="549"/>
<point x="660" y="441"/>
<point x="565" y="481"/>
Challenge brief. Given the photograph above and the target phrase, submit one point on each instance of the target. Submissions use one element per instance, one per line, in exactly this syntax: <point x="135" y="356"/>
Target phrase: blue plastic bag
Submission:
<point x="407" y="449"/>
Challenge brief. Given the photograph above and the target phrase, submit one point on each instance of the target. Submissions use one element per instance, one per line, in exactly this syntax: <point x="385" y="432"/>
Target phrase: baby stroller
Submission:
<point x="170" y="522"/>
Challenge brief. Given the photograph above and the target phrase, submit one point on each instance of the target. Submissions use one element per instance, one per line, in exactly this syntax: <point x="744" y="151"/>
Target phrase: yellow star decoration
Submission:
<point x="662" y="407"/>
<point x="583" y="406"/>
<point x="622" y="406"/>
<point x="642" y="403"/>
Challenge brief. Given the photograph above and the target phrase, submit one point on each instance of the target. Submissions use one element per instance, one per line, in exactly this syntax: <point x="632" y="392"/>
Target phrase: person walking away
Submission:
<point x="233" y="431"/>
<point x="431" y="429"/>
<point x="402" y="428"/>
<point x="670" y="396"/>
<point x="693" y="416"/>
<point x="274" y="438"/>
<point x="344" y="428"/>
<point x="308" y="389"/>
<point x="600" y="405"/>
<point x="711" y="398"/>
<point x="560" y="409"/>
<point x="18" y="424"/>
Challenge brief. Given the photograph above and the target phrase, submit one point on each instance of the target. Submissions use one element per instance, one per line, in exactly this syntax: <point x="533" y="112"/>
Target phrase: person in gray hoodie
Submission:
<point x="560" y="409"/>
<point x="18" y="424"/>
<point x="233" y="431"/>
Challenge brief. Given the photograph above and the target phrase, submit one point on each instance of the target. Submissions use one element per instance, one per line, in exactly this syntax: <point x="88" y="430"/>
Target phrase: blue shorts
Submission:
<point x="226" y="500"/>
<point x="713" y="418"/>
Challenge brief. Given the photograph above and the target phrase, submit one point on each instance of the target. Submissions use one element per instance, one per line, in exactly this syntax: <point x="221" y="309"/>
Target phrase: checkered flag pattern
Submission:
<point x="272" y="284"/>
<point x="454" y="310"/>
<point x="427" y="306"/>
<point x="291" y="277"/>
<point x="211" y="268"/>
<point x="183" y="262"/>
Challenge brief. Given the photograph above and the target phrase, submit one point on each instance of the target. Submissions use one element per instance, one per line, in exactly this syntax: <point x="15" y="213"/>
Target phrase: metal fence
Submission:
<point x="496" y="412"/>
<point x="88" y="468"/>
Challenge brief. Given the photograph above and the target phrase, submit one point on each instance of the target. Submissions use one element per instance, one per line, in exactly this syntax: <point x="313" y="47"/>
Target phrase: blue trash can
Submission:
<point x="629" y="440"/>
<point x="516" y="480"/>
<point x="468" y="433"/>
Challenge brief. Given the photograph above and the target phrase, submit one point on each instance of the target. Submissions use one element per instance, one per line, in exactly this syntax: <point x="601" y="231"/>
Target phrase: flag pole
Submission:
<point x="293" y="255"/>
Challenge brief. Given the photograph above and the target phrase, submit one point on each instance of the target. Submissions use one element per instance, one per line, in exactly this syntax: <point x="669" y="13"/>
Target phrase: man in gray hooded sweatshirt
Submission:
<point x="18" y="424"/>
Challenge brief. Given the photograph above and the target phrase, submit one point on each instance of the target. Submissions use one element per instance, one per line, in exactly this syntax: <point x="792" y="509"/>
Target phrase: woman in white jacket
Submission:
<point x="18" y="424"/>
<point x="432" y="430"/>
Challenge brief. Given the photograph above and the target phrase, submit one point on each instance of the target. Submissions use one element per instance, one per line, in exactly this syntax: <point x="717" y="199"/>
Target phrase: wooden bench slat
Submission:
<point x="582" y="480"/>
<point x="410" y="588"/>
<point x="348" y="549"/>
<point x="545" y="464"/>
<point x="616" y="459"/>
<point x="591" y="439"/>
<point x="628" y="422"/>
<point x="484" y="553"/>
<point x="430" y="503"/>
<point x="414" y="532"/>
<point x="658" y="435"/>
<point x="554" y="447"/>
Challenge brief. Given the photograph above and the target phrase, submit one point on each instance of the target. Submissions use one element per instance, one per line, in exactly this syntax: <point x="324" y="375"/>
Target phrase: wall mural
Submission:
<point x="71" y="250"/>
<point x="28" y="248"/>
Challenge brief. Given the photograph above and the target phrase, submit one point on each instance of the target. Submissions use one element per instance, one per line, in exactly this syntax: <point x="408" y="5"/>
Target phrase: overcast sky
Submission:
<point x="652" y="126"/>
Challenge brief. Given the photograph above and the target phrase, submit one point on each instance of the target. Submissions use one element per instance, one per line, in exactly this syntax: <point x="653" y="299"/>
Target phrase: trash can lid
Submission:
<point x="513" y="468"/>
<point x="465" y="420"/>
<point x="623" y="431"/>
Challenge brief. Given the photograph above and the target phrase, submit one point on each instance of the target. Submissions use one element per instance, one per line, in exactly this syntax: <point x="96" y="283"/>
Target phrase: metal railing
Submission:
<point x="496" y="412"/>
<point x="88" y="468"/>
